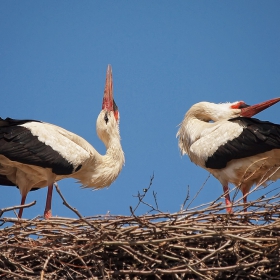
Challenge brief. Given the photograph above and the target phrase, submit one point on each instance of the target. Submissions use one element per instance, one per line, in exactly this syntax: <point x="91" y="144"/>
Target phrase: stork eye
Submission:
<point x="106" y="119"/>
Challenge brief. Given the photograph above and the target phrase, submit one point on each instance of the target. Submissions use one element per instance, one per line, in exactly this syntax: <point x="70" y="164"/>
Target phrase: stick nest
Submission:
<point x="197" y="243"/>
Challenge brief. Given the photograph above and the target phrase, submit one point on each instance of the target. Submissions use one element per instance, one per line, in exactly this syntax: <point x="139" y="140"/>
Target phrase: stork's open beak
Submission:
<point x="254" y="109"/>
<point x="108" y="100"/>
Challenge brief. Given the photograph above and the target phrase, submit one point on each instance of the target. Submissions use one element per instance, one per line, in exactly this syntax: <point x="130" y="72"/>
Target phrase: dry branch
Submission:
<point x="198" y="243"/>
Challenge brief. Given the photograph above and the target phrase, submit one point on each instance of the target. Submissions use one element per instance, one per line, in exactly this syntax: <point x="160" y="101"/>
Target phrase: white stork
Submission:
<point x="235" y="148"/>
<point x="35" y="154"/>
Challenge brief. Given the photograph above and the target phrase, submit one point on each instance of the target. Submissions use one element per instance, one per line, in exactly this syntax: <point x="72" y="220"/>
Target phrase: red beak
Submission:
<point x="108" y="100"/>
<point x="254" y="109"/>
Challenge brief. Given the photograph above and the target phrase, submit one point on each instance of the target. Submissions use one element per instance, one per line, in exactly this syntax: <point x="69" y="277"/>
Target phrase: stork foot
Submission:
<point x="48" y="208"/>
<point x="229" y="210"/>
<point x="48" y="214"/>
<point x="227" y="198"/>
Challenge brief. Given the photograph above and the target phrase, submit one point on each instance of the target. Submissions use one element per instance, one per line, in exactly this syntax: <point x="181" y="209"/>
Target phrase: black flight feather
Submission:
<point x="17" y="143"/>
<point x="257" y="137"/>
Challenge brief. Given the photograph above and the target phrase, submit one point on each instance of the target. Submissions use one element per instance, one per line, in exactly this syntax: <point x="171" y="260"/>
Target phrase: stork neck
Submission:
<point x="102" y="170"/>
<point x="114" y="152"/>
<point x="109" y="167"/>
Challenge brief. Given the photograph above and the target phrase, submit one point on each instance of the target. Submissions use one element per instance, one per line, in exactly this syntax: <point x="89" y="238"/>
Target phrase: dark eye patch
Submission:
<point x="106" y="119"/>
<point x="243" y="105"/>
<point x="240" y="105"/>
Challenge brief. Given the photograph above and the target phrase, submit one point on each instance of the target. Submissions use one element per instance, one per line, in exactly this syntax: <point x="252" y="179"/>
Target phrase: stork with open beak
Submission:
<point x="35" y="154"/>
<point x="235" y="148"/>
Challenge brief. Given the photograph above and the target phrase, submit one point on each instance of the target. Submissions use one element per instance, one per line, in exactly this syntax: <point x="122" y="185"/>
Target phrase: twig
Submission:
<point x="45" y="265"/>
<point x="70" y="207"/>
<point x="199" y="191"/>
<point x="3" y="210"/>
<point x="155" y="198"/>
<point x="186" y="199"/>
<point x="141" y="197"/>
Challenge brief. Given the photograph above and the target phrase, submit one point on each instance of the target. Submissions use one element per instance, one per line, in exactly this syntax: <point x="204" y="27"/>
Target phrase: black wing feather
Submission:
<point x="17" y="143"/>
<point x="257" y="137"/>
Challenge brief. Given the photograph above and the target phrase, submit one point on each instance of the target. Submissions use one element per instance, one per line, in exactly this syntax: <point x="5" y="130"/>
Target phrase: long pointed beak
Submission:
<point x="108" y="100"/>
<point x="254" y="109"/>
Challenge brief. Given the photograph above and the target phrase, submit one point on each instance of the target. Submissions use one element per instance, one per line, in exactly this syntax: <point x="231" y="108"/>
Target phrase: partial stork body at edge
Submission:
<point x="235" y="148"/>
<point x="35" y="154"/>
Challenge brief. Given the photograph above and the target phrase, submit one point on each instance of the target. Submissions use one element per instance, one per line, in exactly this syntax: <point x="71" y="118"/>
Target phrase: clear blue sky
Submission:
<point x="165" y="55"/>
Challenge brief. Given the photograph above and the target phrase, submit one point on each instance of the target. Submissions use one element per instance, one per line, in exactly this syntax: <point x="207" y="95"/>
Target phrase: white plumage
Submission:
<point x="235" y="148"/>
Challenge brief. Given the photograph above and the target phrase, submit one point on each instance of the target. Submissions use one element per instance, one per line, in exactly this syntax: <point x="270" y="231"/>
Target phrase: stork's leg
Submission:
<point x="245" y="193"/>
<point x="23" y="197"/>
<point x="48" y="209"/>
<point x="227" y="198"/>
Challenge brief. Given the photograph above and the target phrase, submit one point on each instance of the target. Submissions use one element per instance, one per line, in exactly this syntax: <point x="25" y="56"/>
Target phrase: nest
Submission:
<point x="197" y="243"/>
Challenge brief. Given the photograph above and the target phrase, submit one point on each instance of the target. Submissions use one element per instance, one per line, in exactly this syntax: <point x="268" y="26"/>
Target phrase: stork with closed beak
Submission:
<point x="35" y="154"/>
<point x="232" y="146"/>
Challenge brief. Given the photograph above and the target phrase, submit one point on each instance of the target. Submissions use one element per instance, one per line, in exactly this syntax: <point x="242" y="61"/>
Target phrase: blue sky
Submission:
<point x="165" y="55"/>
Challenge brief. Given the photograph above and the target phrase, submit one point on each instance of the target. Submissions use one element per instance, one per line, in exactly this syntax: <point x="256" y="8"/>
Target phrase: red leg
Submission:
<point x="48" y="211"/>
<point x="228" y="202"/>
<point x="245" y="200"/>
<point x="23" y="197"/>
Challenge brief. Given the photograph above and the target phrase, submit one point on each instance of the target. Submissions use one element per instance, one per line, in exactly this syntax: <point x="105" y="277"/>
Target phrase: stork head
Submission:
<point x="107" y="124"/>
<point x="214" y="112"/>
<point x="240" y="108"/>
